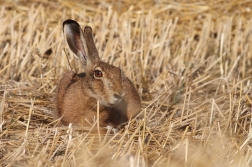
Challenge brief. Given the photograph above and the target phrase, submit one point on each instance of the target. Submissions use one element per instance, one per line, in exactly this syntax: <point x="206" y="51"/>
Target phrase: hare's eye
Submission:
<point x="98" y="73"/>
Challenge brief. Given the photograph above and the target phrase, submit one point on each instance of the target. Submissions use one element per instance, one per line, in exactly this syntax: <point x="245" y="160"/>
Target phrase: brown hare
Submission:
<point x="77" y="94"/>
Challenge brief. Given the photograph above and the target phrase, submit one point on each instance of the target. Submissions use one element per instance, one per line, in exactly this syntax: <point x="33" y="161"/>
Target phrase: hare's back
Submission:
<point x="62" y="86"/>
<point x="69" y="99"/>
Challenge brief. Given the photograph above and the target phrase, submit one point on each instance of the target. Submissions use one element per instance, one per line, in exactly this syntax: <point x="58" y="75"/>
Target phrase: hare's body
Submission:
<point x="74" y="104"/>
<point x="77" y="94"/>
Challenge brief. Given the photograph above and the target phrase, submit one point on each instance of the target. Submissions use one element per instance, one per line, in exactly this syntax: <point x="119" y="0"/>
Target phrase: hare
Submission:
<point x="77" y="94"/>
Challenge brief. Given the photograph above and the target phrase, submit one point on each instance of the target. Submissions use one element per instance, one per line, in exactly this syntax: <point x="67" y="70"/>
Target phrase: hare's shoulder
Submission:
<point x="131" y="97"/>
<point x="128" y="84"/>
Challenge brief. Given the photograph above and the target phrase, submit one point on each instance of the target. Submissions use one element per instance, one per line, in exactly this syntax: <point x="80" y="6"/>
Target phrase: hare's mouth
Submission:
<point x="115" y="101"/>
<point x="110" y="105"/>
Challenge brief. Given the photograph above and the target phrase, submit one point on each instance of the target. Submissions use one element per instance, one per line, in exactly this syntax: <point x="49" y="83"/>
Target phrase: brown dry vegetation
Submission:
<point x="190" y="61"/>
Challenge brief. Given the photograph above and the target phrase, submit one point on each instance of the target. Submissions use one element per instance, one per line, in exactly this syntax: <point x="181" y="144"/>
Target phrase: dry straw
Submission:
<point x="190" y="61"/>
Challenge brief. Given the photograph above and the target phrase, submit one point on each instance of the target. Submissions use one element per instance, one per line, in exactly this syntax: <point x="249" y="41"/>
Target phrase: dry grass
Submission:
<point x="191" y="62"/>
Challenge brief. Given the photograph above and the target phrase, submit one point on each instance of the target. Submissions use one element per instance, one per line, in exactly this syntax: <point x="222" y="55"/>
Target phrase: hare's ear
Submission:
<point x="81" y="43"/>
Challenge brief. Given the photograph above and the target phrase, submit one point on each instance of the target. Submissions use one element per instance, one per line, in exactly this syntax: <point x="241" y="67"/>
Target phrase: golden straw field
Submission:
<point x="191" y="62"/>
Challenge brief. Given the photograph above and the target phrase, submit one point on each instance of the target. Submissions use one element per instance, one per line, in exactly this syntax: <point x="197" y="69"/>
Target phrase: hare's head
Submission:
<point x="101" y="80"/>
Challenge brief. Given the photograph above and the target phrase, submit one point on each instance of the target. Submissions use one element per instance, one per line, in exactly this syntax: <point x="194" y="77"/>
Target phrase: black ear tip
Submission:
<point x="69" y="22"/>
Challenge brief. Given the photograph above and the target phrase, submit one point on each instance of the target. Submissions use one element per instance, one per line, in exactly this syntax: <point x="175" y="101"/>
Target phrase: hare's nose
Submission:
<point x="119" y="95"/>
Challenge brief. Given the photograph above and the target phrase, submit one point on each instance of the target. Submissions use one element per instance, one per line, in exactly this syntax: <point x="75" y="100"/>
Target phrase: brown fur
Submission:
<point x="77" y="94"/>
